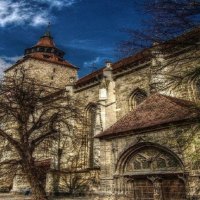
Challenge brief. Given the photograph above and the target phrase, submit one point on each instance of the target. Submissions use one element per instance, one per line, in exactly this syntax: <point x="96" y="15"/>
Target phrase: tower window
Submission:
<point x="46" y="56"/>
<point x="49" y="50"/>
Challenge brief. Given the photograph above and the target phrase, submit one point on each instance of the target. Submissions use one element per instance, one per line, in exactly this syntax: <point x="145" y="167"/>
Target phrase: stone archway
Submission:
<point x="150" y="172"/>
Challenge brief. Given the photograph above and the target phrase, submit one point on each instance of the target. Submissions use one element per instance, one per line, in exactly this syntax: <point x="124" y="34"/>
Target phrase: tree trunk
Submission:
<point x="33" y="174"/>
<point x="57" y="174"/>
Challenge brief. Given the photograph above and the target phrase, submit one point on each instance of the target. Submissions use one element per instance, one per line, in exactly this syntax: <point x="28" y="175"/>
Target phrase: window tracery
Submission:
<point x="151" y="159"/>
<point x="149" y="169"/>
<point x="137" y="97"/>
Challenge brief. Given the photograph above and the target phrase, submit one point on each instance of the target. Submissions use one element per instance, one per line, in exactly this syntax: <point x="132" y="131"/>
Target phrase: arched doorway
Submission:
<point x="150" y="172"/>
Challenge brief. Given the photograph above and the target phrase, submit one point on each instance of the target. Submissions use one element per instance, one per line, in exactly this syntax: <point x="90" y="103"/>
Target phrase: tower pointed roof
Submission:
<point x="47" y="33"/>
<point x="46" y="40"/>
<point x="45" y="49"/>
<point x="45" y="46"/>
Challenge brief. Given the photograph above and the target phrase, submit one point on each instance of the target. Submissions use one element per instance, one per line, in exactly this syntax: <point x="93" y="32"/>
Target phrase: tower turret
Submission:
<point x="46" y="48"/>
<point x="46" y="63"/>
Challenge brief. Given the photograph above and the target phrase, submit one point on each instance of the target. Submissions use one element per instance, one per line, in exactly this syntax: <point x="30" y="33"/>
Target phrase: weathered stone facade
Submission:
<point x="156" y="160"/>
<point x="53" y="74"/>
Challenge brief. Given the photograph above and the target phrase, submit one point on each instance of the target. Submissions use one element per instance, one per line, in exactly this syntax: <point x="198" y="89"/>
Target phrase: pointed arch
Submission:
<point x="193" y="88"/>
<point x="91" y="113"/>
<point x="197" y="84"/>
<point x="136" y="97"/>
<point x="146" y="169"/>
<point x="90" y="108"/>
<point x="137" y="157"/>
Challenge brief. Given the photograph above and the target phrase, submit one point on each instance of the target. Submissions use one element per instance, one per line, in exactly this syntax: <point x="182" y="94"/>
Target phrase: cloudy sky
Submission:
<point x="87" y="30"/>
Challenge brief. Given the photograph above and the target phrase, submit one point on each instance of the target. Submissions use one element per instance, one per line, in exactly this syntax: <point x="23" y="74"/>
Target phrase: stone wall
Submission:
<point x="112" y="149"/>
<point x="125" y="86"/>
<point x="50" y="74"/>
<point x="173" y="74"/>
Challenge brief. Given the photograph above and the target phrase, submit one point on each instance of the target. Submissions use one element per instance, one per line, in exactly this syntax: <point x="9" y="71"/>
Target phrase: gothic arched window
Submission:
<point x="198" y="88"/>
<point x="136" y="97"/>
<point x="91" y="111"/>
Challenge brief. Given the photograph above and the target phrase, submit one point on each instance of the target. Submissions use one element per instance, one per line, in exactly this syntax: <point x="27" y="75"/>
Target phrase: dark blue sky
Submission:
<point x="87" y="30"/>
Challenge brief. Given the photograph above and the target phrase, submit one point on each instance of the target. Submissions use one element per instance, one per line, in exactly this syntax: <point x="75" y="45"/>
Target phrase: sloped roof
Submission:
<point x="36" y="57"/>
<point x="52" y="60"/>
<point x="156" y="110"/>
<point x="117" y="66"/>
<point x="46" y="41"/>
<point x="90" y="77"/>
<point x="45" y="50"/>
<point x="141" y="56"/>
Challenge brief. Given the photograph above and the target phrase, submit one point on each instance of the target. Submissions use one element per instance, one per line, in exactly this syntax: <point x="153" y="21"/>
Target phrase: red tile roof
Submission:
<point x="140" y="56"/>
<point x="117" y="66"/>
<point x="156" y="110"/>
<point x="52" y="59"/>
<point x="38" y="57"/>
<point x="90" y="77"/>
<point x="45" y="50"/>
<point x="46" y="41"/>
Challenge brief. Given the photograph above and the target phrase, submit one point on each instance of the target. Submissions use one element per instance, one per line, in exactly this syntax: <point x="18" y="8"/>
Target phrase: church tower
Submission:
<point x="46" y="63"/>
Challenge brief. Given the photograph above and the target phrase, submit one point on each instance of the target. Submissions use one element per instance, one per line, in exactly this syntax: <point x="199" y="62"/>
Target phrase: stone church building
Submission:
<point x="144" y="141"/>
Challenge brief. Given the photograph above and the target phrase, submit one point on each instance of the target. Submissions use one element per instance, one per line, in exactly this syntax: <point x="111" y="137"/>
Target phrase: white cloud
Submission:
<point x="11" y="59"/>
<point x="34" y="12"/>
<point x="89" y="44"/>
<point x="6" y="62"/>
<point x="95" y="62"/>
<point x="40" y="20"/>
<point x="3" y="65"/>
<point x="57" y="3"/>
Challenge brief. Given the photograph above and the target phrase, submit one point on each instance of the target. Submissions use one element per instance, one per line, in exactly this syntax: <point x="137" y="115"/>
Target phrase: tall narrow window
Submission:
<point x="198" y="88"/>
<point x="91" y="121"/>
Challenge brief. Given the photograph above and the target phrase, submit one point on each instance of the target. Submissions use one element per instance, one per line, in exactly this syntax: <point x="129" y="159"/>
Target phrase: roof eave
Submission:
<point x="156" y="127"/>
<point x="30" y="57"/>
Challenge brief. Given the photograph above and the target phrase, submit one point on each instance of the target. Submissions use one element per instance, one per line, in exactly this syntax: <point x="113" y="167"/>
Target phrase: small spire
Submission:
<point x="47" y="32"/>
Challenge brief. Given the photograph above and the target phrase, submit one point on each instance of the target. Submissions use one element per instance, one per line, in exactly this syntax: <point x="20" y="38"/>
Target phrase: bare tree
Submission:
<point x="164" y="20"/>
<point x="30" y="118"/>
<point x="170" y="38"/>
<point x="71" y="173"/>
<point x="68" y="152"/>
<point x="79" y="181"/>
